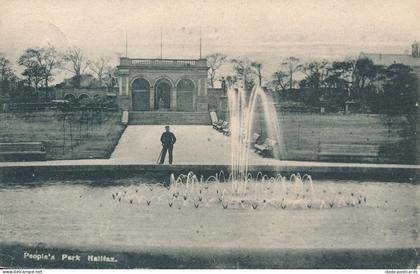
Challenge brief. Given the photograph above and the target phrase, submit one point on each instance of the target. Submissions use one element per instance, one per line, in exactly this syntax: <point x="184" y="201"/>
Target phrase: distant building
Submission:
<point x="385" y="59"/>
<point x="412" y="60"/>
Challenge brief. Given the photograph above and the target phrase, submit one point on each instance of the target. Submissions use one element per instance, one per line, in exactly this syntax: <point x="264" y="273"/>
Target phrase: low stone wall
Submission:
<point x="77" y="93"/>
<point x="34" y="173"/>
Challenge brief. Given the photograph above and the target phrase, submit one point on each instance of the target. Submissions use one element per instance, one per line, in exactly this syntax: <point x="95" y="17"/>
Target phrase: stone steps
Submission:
<point x="168" y="118"/>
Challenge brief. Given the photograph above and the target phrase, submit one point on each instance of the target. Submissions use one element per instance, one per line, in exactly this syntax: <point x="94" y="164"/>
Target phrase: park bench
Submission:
<point x="256" y="139"/>
<point x="266" y="148"/>
<point x="22" y="151"/>
<point x="348" y="152"/>
<point x="221" y="125"/>
<point x="225" y="129"/>
<point x="213" y="117"/>
<point x="218" y="124"/>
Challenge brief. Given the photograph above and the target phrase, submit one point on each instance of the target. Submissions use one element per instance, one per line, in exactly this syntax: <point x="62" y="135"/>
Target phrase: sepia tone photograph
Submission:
<point x="199" y="134"/>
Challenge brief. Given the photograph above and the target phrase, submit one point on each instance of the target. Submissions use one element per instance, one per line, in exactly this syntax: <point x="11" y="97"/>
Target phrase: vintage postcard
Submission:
<point x="209" y="134"/>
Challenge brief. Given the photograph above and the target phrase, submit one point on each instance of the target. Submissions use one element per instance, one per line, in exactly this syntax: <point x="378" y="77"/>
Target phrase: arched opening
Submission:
<point x="83" y="97"/>
<point x="184" y="95"/>
<point x="163" y="96"/>
<point x="140" y="94"/>
<point x="70" y="97"/>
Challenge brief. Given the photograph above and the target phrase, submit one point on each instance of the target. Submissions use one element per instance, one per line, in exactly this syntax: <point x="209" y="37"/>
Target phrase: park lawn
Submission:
<point x="75" y="135"/>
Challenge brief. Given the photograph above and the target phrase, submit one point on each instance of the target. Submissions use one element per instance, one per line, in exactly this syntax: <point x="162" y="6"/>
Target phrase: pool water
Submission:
<point x="134" y="213"/>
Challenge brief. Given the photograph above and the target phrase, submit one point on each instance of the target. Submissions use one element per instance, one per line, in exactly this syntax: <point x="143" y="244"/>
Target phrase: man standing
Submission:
<point x="168" y="140"/>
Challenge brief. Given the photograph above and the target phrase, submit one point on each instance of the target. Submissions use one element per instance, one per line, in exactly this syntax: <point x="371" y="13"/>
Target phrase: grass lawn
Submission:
<point x="74" y="135"/>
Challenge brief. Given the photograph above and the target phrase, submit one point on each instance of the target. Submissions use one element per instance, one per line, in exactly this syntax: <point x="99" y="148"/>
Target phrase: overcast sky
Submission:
<point x="264" y="30"/>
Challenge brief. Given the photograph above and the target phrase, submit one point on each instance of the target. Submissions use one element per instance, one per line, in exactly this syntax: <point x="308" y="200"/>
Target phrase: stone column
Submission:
<point x="124" y="98"/>
<point x="194" y="101"/>
<point x="127" y="86"/>
<point x="120" y="81"/>
<point x="199" y="93"/>
<point x="201" y="103"/>
<point x="152" y="98"/>
<point x="204" y="87"/>
<point x="173" y="98"/>
<point x="417" y="135"/>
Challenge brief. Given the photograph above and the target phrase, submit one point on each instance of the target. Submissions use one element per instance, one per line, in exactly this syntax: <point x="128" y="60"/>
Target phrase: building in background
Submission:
<point x="384" y="59"/>
<point x="412" y="60"/>
<point x="176" y="85"/>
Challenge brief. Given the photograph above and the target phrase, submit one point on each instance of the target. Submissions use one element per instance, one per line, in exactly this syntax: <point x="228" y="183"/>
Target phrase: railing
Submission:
<point x="164" y="62"/>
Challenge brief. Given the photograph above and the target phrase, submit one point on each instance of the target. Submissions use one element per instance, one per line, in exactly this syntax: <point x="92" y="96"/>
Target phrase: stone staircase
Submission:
<point x="168" y="118"/>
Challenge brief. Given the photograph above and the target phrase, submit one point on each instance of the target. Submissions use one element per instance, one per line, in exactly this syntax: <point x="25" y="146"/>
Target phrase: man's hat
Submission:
<point x="166" y="126"/>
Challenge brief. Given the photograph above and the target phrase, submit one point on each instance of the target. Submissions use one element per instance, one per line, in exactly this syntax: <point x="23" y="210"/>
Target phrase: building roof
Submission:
<point x="389" y="59"/>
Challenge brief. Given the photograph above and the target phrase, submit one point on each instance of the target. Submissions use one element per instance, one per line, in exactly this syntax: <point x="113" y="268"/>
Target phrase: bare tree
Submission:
<point x="244" y="72"/>
<point x="8" y="78"/>
<point x="231" y="80"/>
<point x="257" y="67"/>
<point x="315" y="73"/>
<point x="215" y="61"/>
<point x="292" y="65"/>
<point x="77" y="63"/>
<point x="100" y="68"/>
<point x="6" y="71"/>
<point x="33" y="70"/>
<point x="50" y="62"/>
<point x="280" y="80"/>
<point x="40" y="65"/>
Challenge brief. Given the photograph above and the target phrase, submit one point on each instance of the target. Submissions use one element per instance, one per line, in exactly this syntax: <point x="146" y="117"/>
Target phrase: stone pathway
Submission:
<point x="195" y="145"/>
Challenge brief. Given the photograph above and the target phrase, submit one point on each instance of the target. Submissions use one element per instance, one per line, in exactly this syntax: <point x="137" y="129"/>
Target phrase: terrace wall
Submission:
<point x="304" y="133"/>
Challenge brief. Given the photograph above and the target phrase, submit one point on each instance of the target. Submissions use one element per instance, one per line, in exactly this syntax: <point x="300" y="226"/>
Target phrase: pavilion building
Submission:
<point x="164" y="85"/>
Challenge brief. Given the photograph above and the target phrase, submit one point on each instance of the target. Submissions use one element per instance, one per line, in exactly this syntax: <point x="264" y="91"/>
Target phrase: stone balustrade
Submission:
<point x="163" y="62"/>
